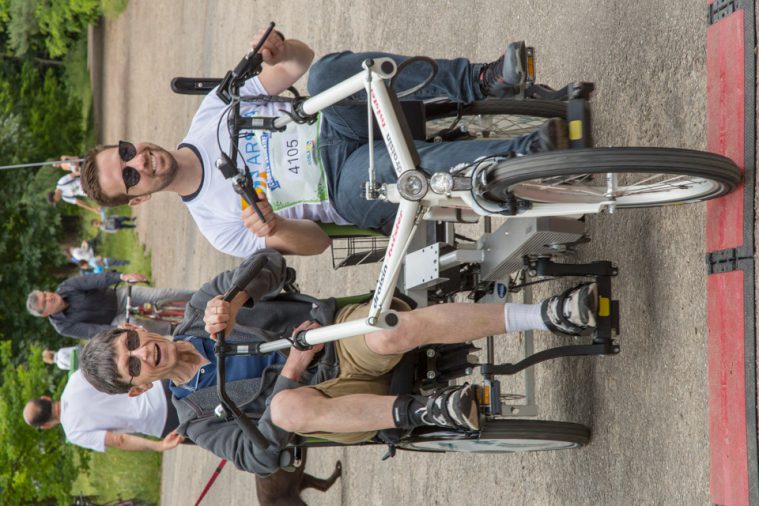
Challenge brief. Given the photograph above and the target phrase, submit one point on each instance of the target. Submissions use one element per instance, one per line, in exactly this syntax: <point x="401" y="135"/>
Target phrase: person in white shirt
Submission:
<point x="97" y="421"/>
<point x="61" y="358"/>
<point x="69" y="189"/>
<point x="308" y="172"/>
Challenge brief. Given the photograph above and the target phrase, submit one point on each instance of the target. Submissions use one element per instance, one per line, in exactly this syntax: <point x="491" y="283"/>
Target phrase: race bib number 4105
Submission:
<point x="295" y="175"/>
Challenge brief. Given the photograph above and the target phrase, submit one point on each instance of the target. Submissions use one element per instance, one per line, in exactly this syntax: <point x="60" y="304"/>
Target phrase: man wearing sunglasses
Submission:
<point x="340" y="394"/>
<point x="309" y="172"/>
<point x="82" y="306"/>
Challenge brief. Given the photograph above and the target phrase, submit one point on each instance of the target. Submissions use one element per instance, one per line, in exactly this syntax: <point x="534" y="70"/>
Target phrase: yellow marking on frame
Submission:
<point x="245" y="205"/>
<point x="604" y="306"/>
<point x="575" y="130"/>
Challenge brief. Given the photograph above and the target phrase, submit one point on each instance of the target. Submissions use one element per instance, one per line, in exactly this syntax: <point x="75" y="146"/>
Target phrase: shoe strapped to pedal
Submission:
<point x="573" y="313"/>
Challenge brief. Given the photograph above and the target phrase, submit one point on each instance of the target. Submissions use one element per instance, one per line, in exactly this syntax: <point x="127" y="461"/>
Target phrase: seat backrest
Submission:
<point x="414" y="112"/>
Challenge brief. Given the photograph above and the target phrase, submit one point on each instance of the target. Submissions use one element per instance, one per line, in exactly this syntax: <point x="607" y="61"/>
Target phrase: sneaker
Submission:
<point x="454" y="407"/>
<point x="552" y="135"/>
<point x="573" y="313"/>
<point x="505" y="77"/>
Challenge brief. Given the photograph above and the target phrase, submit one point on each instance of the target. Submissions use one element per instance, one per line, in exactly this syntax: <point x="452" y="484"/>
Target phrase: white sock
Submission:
<point x="519" y="317"/>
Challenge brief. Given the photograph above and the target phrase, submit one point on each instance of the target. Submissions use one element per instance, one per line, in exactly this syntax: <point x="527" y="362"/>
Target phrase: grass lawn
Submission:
<point x="123" y="245"/>
<point x="116" y="473"/>
<point x="120" y="474"/>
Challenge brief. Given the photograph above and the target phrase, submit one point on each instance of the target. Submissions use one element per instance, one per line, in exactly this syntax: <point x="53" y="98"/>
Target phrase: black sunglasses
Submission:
<point x="134" y="365"/>
<point x="131" y="177"/>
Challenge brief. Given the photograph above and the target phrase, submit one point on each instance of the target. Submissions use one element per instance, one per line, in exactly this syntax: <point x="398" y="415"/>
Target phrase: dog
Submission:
<point x="283" y="488"/>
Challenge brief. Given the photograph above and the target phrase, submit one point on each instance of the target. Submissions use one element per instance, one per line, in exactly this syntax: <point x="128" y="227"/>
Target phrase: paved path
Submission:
<point x="647" y="406"/>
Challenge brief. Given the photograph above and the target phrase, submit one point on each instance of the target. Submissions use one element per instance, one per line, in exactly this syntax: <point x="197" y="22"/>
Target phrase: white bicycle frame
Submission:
<point x="409" y="213"/>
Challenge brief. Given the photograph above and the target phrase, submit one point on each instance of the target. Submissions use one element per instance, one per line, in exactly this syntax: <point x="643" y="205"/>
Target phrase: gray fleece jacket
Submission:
<point x="271" y="316"/>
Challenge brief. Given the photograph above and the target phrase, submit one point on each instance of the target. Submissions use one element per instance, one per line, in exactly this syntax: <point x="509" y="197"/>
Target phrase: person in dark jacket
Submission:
<point x="341" y="395"/>
<point x="82" y="306"/>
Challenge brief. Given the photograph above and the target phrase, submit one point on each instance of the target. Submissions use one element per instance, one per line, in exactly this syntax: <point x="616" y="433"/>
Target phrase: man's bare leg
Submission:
<point x="569" y="314"/>
<point x="441" y="323"/>
<point x="350" y="413"/>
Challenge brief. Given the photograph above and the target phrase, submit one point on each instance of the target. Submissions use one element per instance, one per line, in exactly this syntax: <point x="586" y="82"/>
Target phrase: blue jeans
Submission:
<point x="343" y="137"/>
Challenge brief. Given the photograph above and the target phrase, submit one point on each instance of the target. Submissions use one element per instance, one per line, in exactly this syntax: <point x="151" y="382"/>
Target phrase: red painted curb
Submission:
<point x="729" y="224"/>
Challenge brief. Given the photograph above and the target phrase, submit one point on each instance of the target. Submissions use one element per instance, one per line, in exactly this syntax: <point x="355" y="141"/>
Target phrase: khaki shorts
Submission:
<point x="362" y="371"/>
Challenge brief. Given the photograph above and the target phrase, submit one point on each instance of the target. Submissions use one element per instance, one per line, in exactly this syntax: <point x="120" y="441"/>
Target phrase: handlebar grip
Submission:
<point x="253" y="59"/>
<point x="244" y="275"/>
<point x="194" y="85"/>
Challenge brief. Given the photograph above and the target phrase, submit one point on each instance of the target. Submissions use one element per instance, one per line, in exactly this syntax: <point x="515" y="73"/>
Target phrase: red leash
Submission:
<point x="210" y="482"/>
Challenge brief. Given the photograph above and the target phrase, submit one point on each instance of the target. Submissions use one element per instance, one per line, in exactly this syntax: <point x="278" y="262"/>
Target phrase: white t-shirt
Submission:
<point x="87" y="414"/>
<point x="80" y="254"/>
<point x="71" y="188"/>
<point x="296" y="184"/>
<point x="62" y="357"/>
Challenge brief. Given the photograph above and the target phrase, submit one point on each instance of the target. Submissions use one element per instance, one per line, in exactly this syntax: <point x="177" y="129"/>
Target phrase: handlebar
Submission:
<point x="249" y="66"/>
<point x="228" y="92"/>
<point x="245" y="274"/>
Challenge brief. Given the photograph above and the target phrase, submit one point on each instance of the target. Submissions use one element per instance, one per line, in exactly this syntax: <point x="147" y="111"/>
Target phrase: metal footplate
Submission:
<point x="506" y="248"/>
<point x="499" y="253"/>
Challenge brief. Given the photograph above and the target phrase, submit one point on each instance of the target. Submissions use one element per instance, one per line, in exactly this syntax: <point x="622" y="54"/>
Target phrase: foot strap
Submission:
<point x="562" y="298"/>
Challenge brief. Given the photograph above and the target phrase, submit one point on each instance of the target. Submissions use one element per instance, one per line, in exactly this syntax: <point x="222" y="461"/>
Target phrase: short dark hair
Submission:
<point x="89" y="177"/>
<point x="97" y="362"/>
<point x="42" y="414"/>
<point x="51" y="198"/>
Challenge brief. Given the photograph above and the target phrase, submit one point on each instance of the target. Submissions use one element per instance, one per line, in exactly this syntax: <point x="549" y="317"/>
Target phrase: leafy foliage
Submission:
<point x="35" y="125"/>
<point x="44" y="103"/>
<point x="35" y="466"/>
<point x="37" y="27"/>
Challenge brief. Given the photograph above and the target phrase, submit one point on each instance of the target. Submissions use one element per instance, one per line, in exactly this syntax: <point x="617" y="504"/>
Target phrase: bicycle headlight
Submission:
<point x="441" y="182"/>
<point x="413" y="185"/>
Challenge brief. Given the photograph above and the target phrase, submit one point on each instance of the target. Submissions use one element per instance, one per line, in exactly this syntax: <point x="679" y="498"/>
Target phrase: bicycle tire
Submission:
<point x="557" y="177"/>
<point x="504" y="436"/>
<point x="493" y="118"/>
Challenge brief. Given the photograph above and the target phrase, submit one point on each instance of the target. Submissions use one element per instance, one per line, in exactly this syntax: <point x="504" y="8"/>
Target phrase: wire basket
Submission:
<point x="358" y="250"/>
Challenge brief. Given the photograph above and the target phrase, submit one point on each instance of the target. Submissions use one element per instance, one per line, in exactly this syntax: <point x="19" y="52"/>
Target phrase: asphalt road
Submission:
<point x="647" y="406"/>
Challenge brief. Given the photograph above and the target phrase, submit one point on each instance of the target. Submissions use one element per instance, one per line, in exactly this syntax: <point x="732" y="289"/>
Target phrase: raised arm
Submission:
<point x="133" y="443"/>
<point x="92" y="209"/>
<point x="92" y="281"/>
<point x="286" y="61"/>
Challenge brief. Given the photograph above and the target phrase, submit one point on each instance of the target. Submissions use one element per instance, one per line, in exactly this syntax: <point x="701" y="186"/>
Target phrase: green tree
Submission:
<point x="35" y="466"/>
<point x="46" y="28"/>
<point x="38" y="121"/>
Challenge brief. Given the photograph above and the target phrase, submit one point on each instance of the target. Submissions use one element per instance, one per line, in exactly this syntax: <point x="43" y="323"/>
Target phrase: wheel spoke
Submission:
<point x="565" y="185"/>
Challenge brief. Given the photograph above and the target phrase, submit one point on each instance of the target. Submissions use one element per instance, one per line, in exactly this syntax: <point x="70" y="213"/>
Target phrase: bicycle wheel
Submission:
<point x="505" y="436"/>
<point x="492" y="118"/>
<point x="645" y="177"/>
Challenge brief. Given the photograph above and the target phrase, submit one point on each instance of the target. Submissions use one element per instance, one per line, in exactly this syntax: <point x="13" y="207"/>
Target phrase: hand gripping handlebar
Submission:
<point x="244" y="275"/>
<point x="249" y="66"/>
<point x="228" y="91"/>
